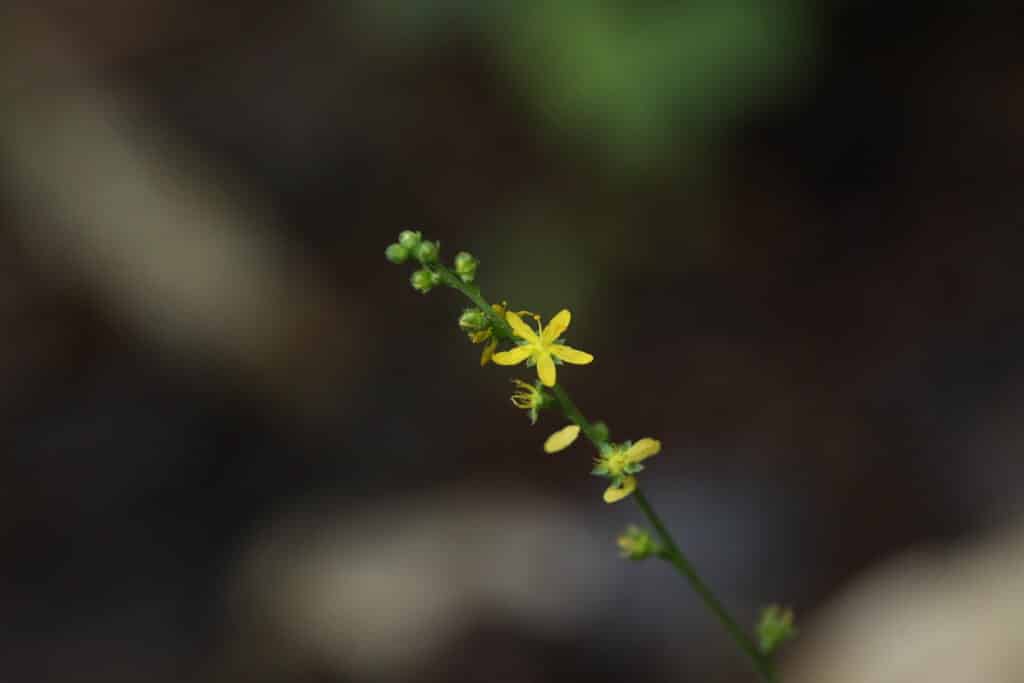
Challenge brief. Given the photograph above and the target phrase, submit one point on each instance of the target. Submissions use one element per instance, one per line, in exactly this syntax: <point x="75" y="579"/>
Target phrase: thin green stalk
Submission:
<point x="472" y="292"/>
<point x="761" y="663"/>
<point x="576" y="417"/>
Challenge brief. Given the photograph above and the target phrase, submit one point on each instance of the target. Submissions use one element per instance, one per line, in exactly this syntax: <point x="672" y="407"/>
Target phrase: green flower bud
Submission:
<point x="472" y="320"/>
<point x="465" y="264"/>
<point x="637" y="544"/>
<point x="427" y="252"/>
<point x="601" y="431"/>
<point x="423" y="280"/>
<point x="410" y="239"/>
<point x="775" y="628"/>
<point x="396" y="253"/>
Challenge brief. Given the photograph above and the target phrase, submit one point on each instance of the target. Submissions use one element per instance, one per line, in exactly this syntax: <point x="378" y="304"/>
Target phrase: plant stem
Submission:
<point x="576" y="417"/>
<point x="762" y="663"/>
<point x="472" y="293"/>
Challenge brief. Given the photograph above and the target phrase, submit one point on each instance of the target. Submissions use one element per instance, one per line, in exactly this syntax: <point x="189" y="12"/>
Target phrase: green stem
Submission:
<point x="576" y="417"/>
<point x="472" y="293"/>
<point x="762" y="663"/>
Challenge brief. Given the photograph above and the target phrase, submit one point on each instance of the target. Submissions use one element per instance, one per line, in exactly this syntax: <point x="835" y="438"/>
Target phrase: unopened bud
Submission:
<point x="410" y="239"/>
<point x="637" y="544"/>
<point x="423" y="280"/>
<point x="775" y="628"/>
<point x="427" y="252"/>
<point x="465" y="266"/>
<point x="472" y="320"/>
<point x="396" y="253"/>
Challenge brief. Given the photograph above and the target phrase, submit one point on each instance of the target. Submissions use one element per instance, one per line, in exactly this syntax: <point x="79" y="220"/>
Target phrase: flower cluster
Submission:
<point x="508" y="340"/>
<point x="540" y="346"/>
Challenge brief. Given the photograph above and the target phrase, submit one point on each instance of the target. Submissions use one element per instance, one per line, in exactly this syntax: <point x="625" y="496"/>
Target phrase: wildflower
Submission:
<point x="561" y="439"/>
<point x="529" y="397"/>
<point x="621" y="464"/>
<point x="637" y="544"/>
<point x="542" y="347"/>
<point x="478" y="328"/>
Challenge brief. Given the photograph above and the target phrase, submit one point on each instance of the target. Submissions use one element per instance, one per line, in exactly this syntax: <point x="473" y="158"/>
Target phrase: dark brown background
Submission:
<point x="790" y="236"/>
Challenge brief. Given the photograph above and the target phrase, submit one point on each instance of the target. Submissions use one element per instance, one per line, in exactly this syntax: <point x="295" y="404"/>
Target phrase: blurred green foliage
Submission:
<point x="637" y="84"/>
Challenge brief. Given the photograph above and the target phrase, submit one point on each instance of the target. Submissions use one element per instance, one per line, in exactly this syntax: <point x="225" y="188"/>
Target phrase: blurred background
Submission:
<point x="237" y="446"/>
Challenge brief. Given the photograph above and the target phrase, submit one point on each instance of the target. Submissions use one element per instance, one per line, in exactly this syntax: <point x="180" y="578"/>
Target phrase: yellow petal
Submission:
<point x="488" y="352"/>
<point x="558" y="325"/>
<point x="614" y="494"/>
<point x="643" y="449"/>
<point x="561" y="439"/>
<point x="512" y="356"/>
<point x="520" y="328"/>
<point x="546" y="369"/>
<point x="571" y="355"/>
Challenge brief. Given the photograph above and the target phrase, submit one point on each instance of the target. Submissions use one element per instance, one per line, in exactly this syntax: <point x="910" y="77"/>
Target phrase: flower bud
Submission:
<point x="427" y="251"/>
<point x="396" y="253"/>
<point x="423" y="280"/>
<point x="472" y="320"/>
<point x="410" y="239"/>
<point x="637" y="544"/>
<point x="775" y="628"/>
<point x="465" y="266"/>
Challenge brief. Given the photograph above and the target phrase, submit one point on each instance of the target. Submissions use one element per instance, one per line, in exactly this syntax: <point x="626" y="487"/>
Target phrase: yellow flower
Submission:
<point x="528" y="397"/>
<point x="621" y="464"/>
<point x="561" y="439"/>
<point x="542" y="347"/>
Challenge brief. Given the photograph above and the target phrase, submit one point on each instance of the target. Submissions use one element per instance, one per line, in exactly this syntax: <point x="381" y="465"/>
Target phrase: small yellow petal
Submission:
<point x="488" y="353"/>
<point x="546" y="369"/>
<point x="520" y="328"/>
<point x="513" y="356"/>
<point x="558" y="325"/>
<point x="643" y="449"/>
<point x="571" y="355"/>
<point x="614" y="494"/>
<point x="561" y="439"/>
